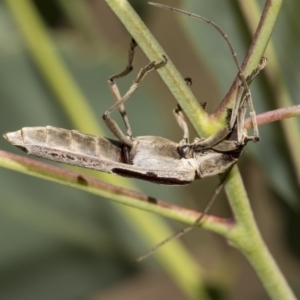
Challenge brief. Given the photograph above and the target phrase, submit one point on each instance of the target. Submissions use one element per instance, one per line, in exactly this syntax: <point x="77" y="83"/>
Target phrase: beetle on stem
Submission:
<point x="150" y="158"/>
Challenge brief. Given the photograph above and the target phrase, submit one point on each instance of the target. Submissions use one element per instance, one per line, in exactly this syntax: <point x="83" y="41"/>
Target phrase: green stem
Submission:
<point x="256" y="50"/>
<point x="278" y="86"/>
<point x="250" y="241"/>
<point x="246" y="237"/>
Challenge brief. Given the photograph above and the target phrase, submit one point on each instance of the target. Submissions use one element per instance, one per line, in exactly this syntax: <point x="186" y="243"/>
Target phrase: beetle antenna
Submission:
<point x="233" y="53"/>
<point x="213" y="24"/>
<point x="188" y="228"/>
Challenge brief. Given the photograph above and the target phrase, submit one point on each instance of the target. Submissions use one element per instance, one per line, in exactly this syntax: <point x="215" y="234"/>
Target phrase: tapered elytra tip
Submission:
<point x="12" y="137"/>
<point x="5" y="136"/>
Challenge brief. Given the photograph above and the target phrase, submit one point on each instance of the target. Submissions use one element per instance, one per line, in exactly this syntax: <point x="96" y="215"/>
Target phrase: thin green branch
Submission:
<point x="256" y="50"/>
<point x="246" y="237"/>
<point x="278" y="87"/>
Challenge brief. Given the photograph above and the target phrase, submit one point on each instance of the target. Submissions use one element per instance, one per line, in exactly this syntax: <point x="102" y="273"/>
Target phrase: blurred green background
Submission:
<point x="61" y="243"/>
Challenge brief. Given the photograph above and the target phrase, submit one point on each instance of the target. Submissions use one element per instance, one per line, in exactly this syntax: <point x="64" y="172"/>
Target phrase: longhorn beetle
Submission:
<point x="151" y="158"/>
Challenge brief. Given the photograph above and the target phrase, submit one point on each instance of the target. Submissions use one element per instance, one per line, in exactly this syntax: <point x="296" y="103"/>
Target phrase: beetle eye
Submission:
<point x="183" y="150"/>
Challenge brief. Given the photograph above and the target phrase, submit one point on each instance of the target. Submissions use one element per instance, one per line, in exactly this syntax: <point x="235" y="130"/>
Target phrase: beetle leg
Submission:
<point x="237" y="117"/>
<point x="178" y="114"/>
<point x="120" y="100"/>
<point x="248" y="100"/>
<point x="179" y="117"/>
<point x="115" y="90"/>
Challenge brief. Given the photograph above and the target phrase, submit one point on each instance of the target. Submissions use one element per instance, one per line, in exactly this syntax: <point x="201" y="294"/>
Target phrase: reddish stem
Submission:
<point x="58" y="174"/>
<point x="274" y="115"/>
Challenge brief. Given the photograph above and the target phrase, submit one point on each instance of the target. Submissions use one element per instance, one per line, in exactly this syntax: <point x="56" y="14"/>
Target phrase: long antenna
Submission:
<point x="246" y="93"/>
<point x="188" y="228"/>
<point x="224" y="35"/>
